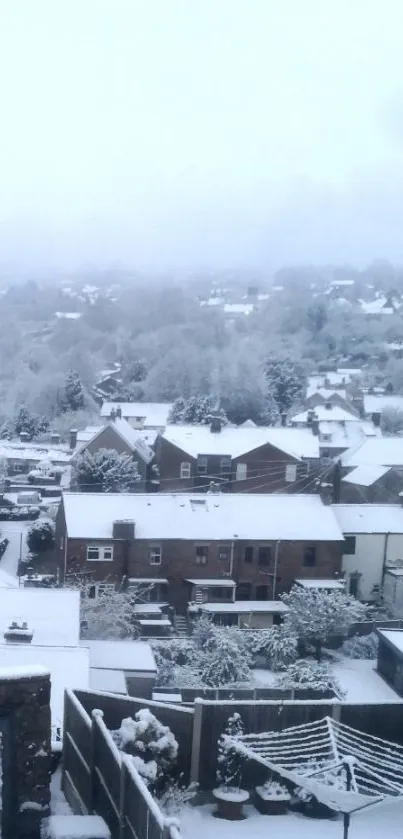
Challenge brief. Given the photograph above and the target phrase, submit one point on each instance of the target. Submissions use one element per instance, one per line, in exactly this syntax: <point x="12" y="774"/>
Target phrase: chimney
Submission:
<point x="283" y="416"/>
<point x="119" y="413"/>
<point x="18" y="633"/>
<point x="326" y="490"/>
<point x="215" y="425"/>
<point x="336" y="483"/>
<point x="55" y="438"/>
<point x="123" y="529"/>
<point x="328" y="406"/>
<point x="23" y="437"/>
<point x="315" y="426"/>
<point x="73" y="438"/>
<point x="376" y="418"/>
<point x="310" y="416"/>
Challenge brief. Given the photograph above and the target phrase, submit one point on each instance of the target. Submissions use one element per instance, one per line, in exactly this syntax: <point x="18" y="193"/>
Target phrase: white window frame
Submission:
<point x="100" y="590"/>
<point x="225" y="465"/>
<point x="290" y="473"/>
<point x="203" y="559"/>
<point x="202" y="464"/>
<point x="185" y="470"/>
<point x="241" y="471"/>
<point x="154" y="552"/>
<point x="102" y="550"/>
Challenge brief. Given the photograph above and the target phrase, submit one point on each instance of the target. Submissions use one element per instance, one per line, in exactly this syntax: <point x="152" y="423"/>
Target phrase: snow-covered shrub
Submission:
<point x="229" y="761"/>
<point x="278" y="645"/>
<point x="314" y="616"/>
<point x="151" y="745"/>
<point x="226" y="660"/>
<point x="309" y="675"/>
<point x="361" y="646"/>
<point x="41" y="535"/>
<point x="203" y="629"/>
<point x="174" y="798"/>
<point x="273" y="791"/>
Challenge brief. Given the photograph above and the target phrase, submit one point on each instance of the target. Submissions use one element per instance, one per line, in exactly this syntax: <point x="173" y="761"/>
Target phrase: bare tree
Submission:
<point x="106" y="609"/>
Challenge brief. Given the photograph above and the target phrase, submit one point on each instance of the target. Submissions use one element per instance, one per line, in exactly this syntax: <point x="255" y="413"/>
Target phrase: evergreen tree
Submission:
<point x="153" y="748"/>
<point x="41" y="536"/>
<point x="26" y="423"/>
<point x="286" y="383"/>
<point x="105" y="471"/>
<point x="229" y="762"/>
<point x="197" y="410"/>
<point x="74" y="392"/>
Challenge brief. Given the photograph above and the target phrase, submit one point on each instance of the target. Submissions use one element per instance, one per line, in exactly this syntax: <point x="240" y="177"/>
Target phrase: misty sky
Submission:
<point x="191" y="133"/>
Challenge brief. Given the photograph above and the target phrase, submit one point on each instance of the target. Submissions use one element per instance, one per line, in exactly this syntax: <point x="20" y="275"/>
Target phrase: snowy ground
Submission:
<point x="381" y="822"/>
<point x="16" y="532"/>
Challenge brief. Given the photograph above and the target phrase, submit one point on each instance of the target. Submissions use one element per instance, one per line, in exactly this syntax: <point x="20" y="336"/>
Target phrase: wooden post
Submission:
<point x="95" y="715"/>
<point x="196" y="740"/>
<point x="122" y="798"/>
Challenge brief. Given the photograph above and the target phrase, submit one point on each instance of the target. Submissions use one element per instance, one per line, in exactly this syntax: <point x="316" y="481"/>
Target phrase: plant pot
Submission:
<point x="230" y="803"/>
<point x="267" y="806"/>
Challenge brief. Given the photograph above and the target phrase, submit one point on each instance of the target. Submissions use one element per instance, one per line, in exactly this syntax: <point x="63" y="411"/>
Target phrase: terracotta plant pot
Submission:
<point x="230" y="803"/>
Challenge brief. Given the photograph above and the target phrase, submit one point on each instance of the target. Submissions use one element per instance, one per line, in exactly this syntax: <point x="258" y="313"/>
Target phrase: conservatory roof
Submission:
<point x="224" y="582"/>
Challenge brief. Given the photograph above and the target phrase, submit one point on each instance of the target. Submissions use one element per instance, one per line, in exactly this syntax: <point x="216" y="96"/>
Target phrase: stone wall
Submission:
<point x="26" y="751"/>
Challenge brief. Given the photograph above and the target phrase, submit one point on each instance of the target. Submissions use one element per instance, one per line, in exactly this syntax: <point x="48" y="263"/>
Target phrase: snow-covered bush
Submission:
<point x="314" y="615"/>
<point x="175" y="796"/>
<point x="361" y="646"/>
<point x="278" y="645"/>
<point x="229" y="761"/>
<point x="152" y="746"/>
<point x="105" y="471"/>
<point x="203" y="629"/>
<point x="309" y="675"/>
<point x="226" y="660"/>
<point x="273" y="791"/>
<point x="41" y="535"/>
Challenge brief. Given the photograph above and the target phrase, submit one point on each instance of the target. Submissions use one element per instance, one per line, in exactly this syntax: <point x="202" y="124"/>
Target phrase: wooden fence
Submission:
<point x="98" y="778"/>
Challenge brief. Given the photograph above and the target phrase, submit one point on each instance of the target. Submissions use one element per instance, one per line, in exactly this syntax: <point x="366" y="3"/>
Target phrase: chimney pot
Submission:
<point x="23" y="437"/>
<point x="315" y="427"/>
<point x="215" y="425"/>
<point x="283" y="419"/>
<point x="55" y="438"/>
<point x="16" y="634"/>
<point x="73" y="438"/>
<point x="119" y="413"/>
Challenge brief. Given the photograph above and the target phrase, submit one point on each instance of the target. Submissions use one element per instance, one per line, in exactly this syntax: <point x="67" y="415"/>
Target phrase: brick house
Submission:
<point x="147" y="415"/>
<point x="257" y="459"/>
<point x="120" y="436"/>
<point x="214" y="548"/>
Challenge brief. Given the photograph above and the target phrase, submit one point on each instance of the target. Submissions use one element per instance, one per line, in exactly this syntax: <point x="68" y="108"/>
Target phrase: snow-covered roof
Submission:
<point x="238" y="308"/>
<point x="128" y="434"/>
<point x="325" y="392"/>
<point x="378" y="404"/>
<point x="15" y="450"/>
<point x="147" y="609"/>
<point x="52" y="614"/>
<point x="68" y="668"/>
<point x="221" y="582"/>
<point x="199" y="517"/>
<point x="7" y="580"/>
<point x="369" y="518"/>
<point x="120" y="655"/>
<point x="246" y="607"/>
<point x="111" y="681"/>
<point x="332" y="414"/>
<point x="86" y="434"/>
<point x="362" y="685"/>
<point x="365" y="476"/>
<point x="153" y="414"/>
<point x="394" y="636"/>
<point x="375" y="451"/>
<point x="339" y="585"/>
<point x="345" y="435"/>
<point x="234" y="442"/>
<point x="377" y="307"/>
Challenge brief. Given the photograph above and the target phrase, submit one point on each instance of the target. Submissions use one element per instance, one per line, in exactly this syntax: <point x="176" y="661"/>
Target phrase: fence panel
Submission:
<point x="76" y="754"/>
<point x="106" y="761"/>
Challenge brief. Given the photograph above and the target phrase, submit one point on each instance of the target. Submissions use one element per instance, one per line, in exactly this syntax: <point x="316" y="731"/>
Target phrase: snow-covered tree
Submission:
<point x="392" y="421"/>
<point x="197" y="410"/>
<point x="107" y="612"/>
<point x="229" y="761"/>
<point x="105" y="471"/>
<point x="153" y="748"/>
<point x="286" y="383"/>
<point x="309" y="675"/>
<point x="203" y="629"/>
<point x="278" y="644"/>
<point x="74" y="392"/>
<point x="361" y="646"/>
<point x="3" y="469"/>
<point x="41" y="535"/>
<point x="314" y="615"/>
<point x="29" y="424"/>
<point x="226" y="660"/>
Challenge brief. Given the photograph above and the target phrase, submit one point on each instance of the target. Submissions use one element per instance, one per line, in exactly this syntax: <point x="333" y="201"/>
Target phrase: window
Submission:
<point x="202" y="464"/>
<point x="262" y="592"/>
<point x="225" y="465"/>
<point x="325" y="454"/>
<point x="219" y="593"/>
<point x="100" y="554"/>
<point x="241" y="471"/>
<point x="305" y="468"/>
<point x="309" y="558"/>
<point x="201" y="554"/>
<point x="349" y="545"/>
<point x="185" y="470"/>
<point x="243" y="591"/>
<point x="264" y="557"/>
<point x="101" y="590"/>
<point x="223" y="553"/>
<point x="248" y="555"/>
<point x="290" y="472"/>
<point x="155" y="555"/>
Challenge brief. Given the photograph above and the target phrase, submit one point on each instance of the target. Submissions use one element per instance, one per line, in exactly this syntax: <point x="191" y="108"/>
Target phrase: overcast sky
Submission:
<point x="191" y="133"/>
